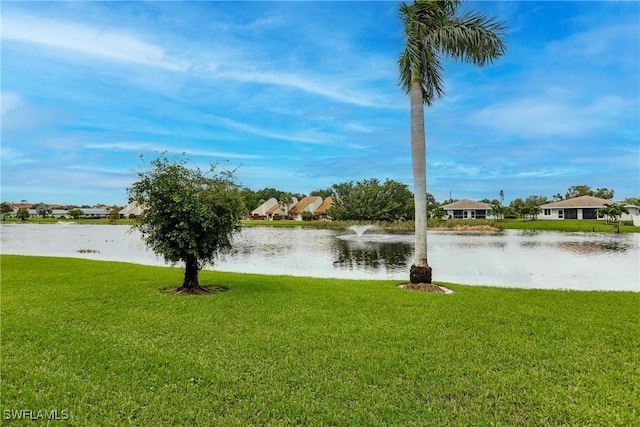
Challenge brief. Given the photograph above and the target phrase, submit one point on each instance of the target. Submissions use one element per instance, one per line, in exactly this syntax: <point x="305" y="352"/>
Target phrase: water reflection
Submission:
<point x="391" y="256"/>
<point x="590" y="248"/>
<point x="510" y="258"/>
<point x="584" y="244"/>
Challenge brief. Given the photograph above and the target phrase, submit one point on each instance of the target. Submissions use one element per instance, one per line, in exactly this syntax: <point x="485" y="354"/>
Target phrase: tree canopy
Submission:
<point x="371" y="200"/>
<point x="612" y="212"/>
<point x="188" y="215"/>
<point x="43" y="209"/>
<point x="5" y="208"/>
<point x="585" y="190"/>
<point x="76" y="213"/>
<point x="22" y="214"/>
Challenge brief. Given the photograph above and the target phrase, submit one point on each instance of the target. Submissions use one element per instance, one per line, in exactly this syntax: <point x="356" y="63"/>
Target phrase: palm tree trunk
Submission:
<point x="420" y="271"/>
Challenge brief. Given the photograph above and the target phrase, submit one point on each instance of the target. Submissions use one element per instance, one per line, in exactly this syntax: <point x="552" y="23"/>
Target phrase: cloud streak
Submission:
<point x="153" y="147"/>
<point x="305" y="95"/>
<point x="551" y="116"/>
<point x="110" y="44"/>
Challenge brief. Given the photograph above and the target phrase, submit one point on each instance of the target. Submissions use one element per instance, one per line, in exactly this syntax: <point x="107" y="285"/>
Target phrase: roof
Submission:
<point x="264" y="207"/>
<point x="131" y="209"/>
<point x="467" y="204"/>
<point x="580" y="202"/>
<point x="272" y="209"/>
<point x="324" y="207"/>
<point x="303" y="203"/>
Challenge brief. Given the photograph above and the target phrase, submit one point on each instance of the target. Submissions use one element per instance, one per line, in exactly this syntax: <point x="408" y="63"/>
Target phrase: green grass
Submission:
<point x="98" y="340"/>
<point x="588" y="225"/>
<point x="399" y="226"/>
<point x="569" y="225"/>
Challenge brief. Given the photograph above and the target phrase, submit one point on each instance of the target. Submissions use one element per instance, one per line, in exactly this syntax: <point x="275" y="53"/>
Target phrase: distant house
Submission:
<point x="132" y="210"/>
<point x="321" y="212"/>
<point x="261" y="211"/>
<point x="467" y="209"/>
<point x="306" y="204"/>
<point x="93" y="213"/>
<point x="583" y="207"/>
<point x="271" y="210"/>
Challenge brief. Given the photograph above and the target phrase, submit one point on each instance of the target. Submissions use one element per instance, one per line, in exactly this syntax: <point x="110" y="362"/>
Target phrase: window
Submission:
<point x="457" y="214"/>
<point x="547" y="212"/>
<point x="571" y="213"/>
<point x="465" y="214"/>
<point x="560" y="213"/>
<point x="481" y="214"/>
<point x="589" y="213"/>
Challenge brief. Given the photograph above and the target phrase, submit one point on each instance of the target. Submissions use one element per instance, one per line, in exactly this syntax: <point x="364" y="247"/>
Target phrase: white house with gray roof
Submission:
<point x="468" y="209"/>
<point x="583" y="207"/>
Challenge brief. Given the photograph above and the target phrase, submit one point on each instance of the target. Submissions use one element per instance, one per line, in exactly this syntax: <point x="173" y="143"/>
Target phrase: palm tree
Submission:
<point x="612" y="212"/>
<point x="285" y="201"/>
<point x="497" y="211"/>
<point x="433" y="29"/>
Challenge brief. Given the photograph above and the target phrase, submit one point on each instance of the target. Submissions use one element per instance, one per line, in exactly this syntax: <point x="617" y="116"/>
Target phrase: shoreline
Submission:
<point x="586" y="226"/>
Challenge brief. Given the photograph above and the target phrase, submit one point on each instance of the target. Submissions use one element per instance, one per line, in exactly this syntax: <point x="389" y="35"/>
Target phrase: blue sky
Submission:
<point x="301" y="95"/>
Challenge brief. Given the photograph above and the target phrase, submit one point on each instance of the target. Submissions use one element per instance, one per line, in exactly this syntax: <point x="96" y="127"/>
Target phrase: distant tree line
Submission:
<point x="44" y="210"/>
<point x="371" y="199"/>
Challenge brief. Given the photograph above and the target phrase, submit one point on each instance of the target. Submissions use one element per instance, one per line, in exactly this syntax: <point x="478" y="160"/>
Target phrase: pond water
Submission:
<point x="512" y="258"/>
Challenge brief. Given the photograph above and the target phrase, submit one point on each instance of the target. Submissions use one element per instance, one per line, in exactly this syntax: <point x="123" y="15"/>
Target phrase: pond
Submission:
<point x="512" y="258"/>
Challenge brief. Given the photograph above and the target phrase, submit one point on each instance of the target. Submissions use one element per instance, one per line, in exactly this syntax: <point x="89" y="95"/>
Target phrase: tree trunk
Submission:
<point x="420" y="271"/>
<point x="191" y="273"/>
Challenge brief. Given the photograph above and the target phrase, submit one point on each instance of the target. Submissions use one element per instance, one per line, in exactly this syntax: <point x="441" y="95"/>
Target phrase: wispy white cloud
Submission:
<point x="122" y="45"/>
<point x="146" y="147"/>
<point x="11" y="156"/>
<point x="309" y="136"/>
<point x="9" y="101"/>
<point x="599" y="45"/>
<point x="335" y="89"/>
<point x="551" y="115"/>
<point x="304" y="95"/>
<point x="455" y="169"/>
<point x="112" y="44"/>
<point x="544" y="173"/>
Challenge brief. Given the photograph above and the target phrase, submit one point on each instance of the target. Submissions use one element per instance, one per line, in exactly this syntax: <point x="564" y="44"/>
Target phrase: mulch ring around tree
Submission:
<point x="201" y="290"/>
<point x="426" y="287"/>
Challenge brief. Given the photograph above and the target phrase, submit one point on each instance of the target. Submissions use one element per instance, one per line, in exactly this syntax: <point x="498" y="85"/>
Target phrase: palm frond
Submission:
<point x="471" y="37"/>
<point x="434" y="27"/>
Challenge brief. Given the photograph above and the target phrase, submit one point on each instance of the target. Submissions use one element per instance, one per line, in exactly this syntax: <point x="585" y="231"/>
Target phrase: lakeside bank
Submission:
<point x="567" y="225"/>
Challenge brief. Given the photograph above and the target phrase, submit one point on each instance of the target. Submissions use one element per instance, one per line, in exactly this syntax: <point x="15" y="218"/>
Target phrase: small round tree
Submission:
<point x="114" y="215"/>
<point x="22" y="214"/>
<point x="76" y="213"/>
<point x="188" y="216"/>
<point x="5" y="208"/>
<point x="43" y="209"/>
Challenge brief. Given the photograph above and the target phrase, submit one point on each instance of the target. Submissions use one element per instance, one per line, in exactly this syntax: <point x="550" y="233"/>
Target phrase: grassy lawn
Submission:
<point x="402" y="226"/>
<point x="515" y="224"/>
<point x="97" y="339"/>
<point x="588" y="225"/>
